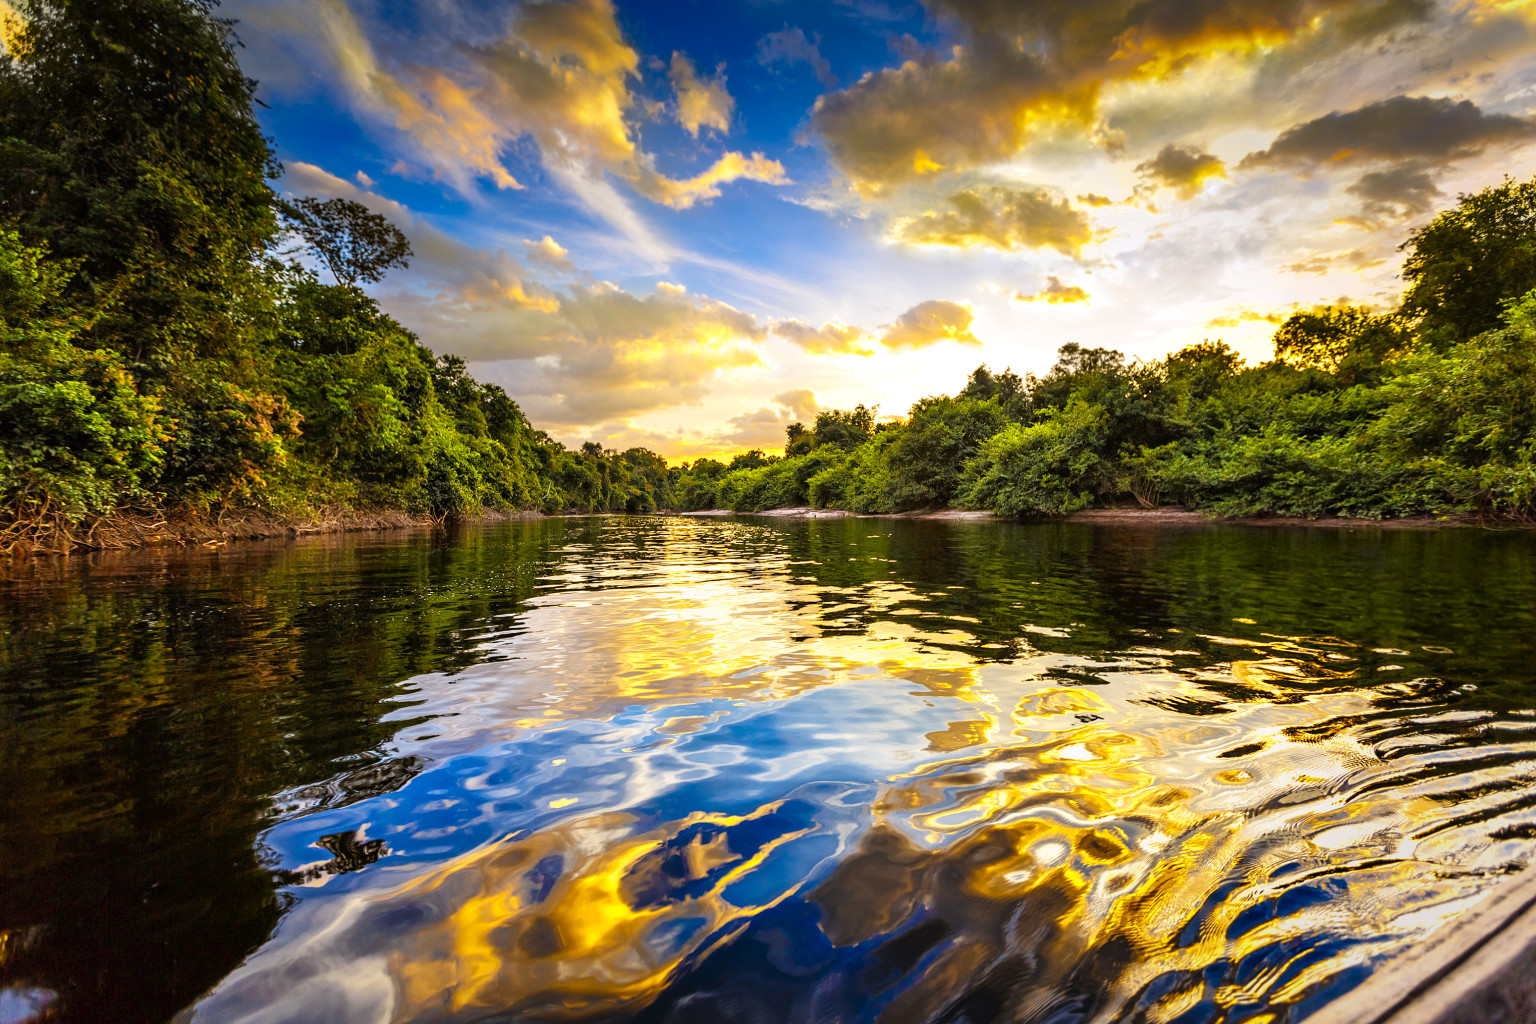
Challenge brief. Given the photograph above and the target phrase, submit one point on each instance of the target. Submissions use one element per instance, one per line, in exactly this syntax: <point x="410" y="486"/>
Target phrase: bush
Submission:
<point x="1049" y="468"/>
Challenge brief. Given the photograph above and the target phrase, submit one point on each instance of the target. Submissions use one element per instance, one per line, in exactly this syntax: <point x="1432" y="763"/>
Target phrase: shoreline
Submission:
<point x="129" y="533"/>
<point x="139" y="532"/>
<point x="1168" y="515"/>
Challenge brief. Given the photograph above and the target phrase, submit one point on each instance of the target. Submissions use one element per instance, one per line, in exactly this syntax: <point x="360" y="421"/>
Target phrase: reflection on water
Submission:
<point x="668" y="770"/>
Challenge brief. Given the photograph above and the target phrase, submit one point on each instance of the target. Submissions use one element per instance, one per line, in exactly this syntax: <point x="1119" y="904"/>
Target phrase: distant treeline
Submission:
<point x="161" y="351"/>
<point x="1428" y="409"/>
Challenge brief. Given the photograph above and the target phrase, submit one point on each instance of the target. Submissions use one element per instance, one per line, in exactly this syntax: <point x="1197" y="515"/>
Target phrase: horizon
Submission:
<point x="685" y="232"/>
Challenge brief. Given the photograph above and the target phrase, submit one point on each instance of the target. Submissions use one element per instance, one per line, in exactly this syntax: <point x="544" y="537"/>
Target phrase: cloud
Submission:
<point x="827" y="340"/>
<point x="1327" y="262"/>
<point x="561" y="77"/>
<point x="929" y="323"/>
<point x="1436" y="130"/>
<point x="466" y="274"/>
<point x="682" y="193"/>
<point x="1392" y="196"/>
<point x="1246" y="316"/>
<point x="928" y="115"/>
<point x="764" y="427"/>
<point x="590" y="353"/>
<point x="1094" y="199"/>
<point x="621" y="354"/>
<point x="551" y="254"/>
<point x="791" y="46"/>
<point x="1020" y="68"/>
<point x="1185" y="169"/>
<point x="452" y="135"/>
<point x="1055" y="293"/>
<point x="701" y="102"/>
<point x="1001" y="217"/>
<point x="801" y="403"/>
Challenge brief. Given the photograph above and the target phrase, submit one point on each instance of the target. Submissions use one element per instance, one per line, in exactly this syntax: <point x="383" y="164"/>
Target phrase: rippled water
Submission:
<point x="676" y="770"/>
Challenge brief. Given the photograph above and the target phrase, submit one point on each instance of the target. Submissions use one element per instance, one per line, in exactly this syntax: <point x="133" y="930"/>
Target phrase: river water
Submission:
<point x="656" y="769"/>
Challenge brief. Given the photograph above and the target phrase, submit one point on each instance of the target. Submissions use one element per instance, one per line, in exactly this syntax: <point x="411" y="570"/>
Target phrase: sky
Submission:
<point x="685" y="224"/>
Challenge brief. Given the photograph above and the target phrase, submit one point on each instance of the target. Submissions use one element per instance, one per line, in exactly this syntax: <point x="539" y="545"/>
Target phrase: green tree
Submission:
<point x="1465" y="263"/>
<point x="1347" y="341"/>
<point x="354" y="243"/>
<point x="128" y="146"/>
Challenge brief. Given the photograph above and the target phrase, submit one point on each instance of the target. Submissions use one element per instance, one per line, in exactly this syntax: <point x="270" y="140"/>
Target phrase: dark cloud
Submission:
<point x="1015" y="63"/>
<point x="791" y="46"/>
<point x="1394" y="195"/>
<point x="1423" y="128"/>
<point x="931" y="114"/>
<point x="1185" y="169"/>
<point x="1003" y="218"/>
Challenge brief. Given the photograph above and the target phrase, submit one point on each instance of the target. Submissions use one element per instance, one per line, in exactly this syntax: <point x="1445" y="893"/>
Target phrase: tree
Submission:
<point x="1342" y="340"/>
<point x="354" y="243"/>
<point x="1469" y="259"/>
<point x="128" y="147"/>
<point x="845" y="429"/>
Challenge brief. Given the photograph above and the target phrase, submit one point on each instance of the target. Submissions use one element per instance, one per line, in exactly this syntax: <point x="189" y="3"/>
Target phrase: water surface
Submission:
<point x="604" y="769"/>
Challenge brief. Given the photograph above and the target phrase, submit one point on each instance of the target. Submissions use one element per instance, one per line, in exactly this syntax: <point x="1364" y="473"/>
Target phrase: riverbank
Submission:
<point x="55" y="535"/>
<point x="1164" y="516"/>
<point x="122" y="532"/>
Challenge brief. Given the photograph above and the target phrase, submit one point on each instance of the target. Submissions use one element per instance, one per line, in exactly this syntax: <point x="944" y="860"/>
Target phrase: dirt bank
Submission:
<point x="58" y="536"/>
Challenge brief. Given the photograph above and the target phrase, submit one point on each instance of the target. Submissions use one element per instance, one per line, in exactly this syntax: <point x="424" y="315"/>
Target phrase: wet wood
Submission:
<point x="1480" y="970"/>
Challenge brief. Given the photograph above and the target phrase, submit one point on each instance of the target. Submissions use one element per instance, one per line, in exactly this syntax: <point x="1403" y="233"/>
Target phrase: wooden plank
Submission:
<point x="1479" y="970"/>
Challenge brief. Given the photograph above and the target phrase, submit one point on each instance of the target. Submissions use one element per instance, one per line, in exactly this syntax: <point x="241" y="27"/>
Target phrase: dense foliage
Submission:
<point x="161" y="351"/>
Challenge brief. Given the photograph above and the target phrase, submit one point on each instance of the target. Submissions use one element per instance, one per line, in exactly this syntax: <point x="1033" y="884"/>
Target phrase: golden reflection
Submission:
<point x="1136" y="816"/>
<point x="623" y="912"/>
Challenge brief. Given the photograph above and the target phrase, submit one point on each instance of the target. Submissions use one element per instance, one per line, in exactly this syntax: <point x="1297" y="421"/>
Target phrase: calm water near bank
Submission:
<point x="600" y="769"/>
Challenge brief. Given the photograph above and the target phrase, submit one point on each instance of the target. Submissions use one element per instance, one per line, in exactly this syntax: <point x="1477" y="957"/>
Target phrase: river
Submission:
<point x="664" y="769"/>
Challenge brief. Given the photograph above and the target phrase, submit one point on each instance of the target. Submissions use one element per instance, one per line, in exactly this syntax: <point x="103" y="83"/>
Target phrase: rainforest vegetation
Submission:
<point x="163" y="351"/>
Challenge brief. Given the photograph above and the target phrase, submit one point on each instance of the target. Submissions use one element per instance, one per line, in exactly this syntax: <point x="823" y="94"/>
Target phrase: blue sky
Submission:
<point x="684" y="225"/>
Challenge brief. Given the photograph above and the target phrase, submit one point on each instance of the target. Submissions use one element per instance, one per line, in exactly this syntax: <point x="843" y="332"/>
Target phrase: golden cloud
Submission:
<point x="452" y="135"/>
<point x="682" y="193"/>
<point x="1003" y="218"/>
<point x="1018" y="66"/>
<point x="587" y="354"/>
<point x="1246" y="316"/>
<point x="827" y="340"/>
<point x="1185" y="169"/>
<point x="550" y="253"/>
<point x="561" y="77"/>
<point x="623" y="354"/>
<point x="928" y="115"/>
<point x="764" y="427"/>
<point x="1055" y="293"/>
<point x="1323" y="263"/>
<point x="701" y="102"/>
<point x="929" y="323"/>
